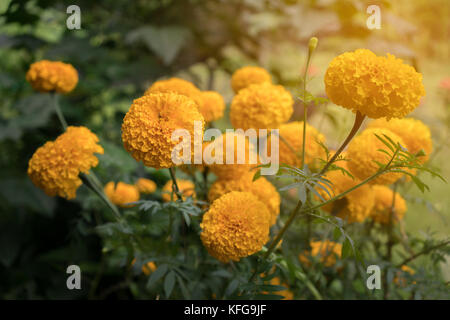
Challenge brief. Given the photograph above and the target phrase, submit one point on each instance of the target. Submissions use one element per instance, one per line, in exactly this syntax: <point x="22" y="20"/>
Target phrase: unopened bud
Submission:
<point x="312" y="44"/>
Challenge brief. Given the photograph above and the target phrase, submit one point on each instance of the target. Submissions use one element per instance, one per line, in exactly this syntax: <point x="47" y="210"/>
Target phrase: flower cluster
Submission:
<point x="49" y="76"/>
<point x="245" y="76"/>
<point x="261" y="106"/>
<point x="387" y="209"/>
<point x="261" y="188"/>
<point x="375" y="86"/>
<point x="55" y="167"/>
<point x="327" y="251"/>
<point x="121" y="194"/>
<point x="148" y="126"/>
<point x="235" y="226"/>
<point x="363" y="151"/>
<point x="187" y="189"/>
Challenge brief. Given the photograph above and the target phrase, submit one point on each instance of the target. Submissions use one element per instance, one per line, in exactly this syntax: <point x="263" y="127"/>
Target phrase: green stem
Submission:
<point x="359" y="118"/>
<point x="59" y="113"/>
<point x="175" y="187"/>
<point x="305" y="107"/>
<point x="87" y="180"/>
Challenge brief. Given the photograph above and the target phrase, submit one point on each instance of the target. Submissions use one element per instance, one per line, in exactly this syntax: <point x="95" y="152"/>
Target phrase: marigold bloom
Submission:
<point x="245" y="155"/>
<point x="146" y="185"/>
<point x="121" y="193"/>
<point x="148" y="126"/>
<point x="383" y="205"/>
<point x="235" y="226"/>
<point x="327" y="251"/>
<point x="399" y="279"/>
<point x="180" y="86"/>
<point x="292" y="132"/>
<point x="48" y="76"/>
<point x="187" y="189"/>
<point x="415" y="134"/>
<point x="363" y="151"/>
<point x="245" y="76"/>
<point x="261" y="188"/>
<point x="375" y="86"/>
<point x="213" y="105"/>
<point x="354" y="206"/>
<point x="261" y="106"/>
<point x="287" y="294"/>
<point x="148" y="268"/>
<point x="55" y="166"/>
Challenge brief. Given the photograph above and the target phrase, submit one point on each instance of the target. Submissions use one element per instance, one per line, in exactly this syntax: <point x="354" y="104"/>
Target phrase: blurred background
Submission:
<point x="123" y="46"/>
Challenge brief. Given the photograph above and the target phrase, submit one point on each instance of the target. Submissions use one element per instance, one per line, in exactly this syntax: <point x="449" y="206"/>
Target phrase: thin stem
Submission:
<point x="390" y="241"/>
<point x="305" y="108"/>
<point x="280" y="234"/>
<point x="359" y="118"/>
<point x="175" y="187"/>
<point x="91" y="185"/>
<point x="418" y="254"/>
<point x="59" y="113"/>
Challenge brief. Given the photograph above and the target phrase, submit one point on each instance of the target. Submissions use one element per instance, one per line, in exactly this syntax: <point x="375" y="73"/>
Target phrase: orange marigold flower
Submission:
<point x="363" y="151"/>
<point x="148" y="268"/>
<point x="177" y="85"/>
<point x="213" y="106"/>
<point x="146" y="185"/>
<point x="245" y="76"/>
<point x="326" y="250"/>
<point x="261" y="188"/>
<point x="375" y="86"/>
<point x="290" y="150"/>
<point x="245" y="155"/>
<point x="187" y="189"/>
<point x="354" y="206"/>
<point x="122" y="193"/>
<point x="383" y="205"/>
<point x="415" y="134"/>
<point x="261" y="106"/>
<point x="287" y="294"/>
<point x="235" y="226"/>
<point x="148" y="126"/>
<point x="48" y="76"/>
<point x="55" y="166"/>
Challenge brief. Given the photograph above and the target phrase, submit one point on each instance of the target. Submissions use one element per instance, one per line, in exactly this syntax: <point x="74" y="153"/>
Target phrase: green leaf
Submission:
<point x="232" y="287"/>
<point x="346" y="249"/>
<point x="169" y="283"/>
<point x="157" y="274"/>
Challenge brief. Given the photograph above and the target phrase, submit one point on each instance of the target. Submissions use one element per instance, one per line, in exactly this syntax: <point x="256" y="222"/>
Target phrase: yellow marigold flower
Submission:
<point x="146" y="185"/>
<point x="375" y="86"/>
<point x="383" y="204"/>
<point x="399" y="280"/>
<point x="287" y="294"/>
<point x="246" y="150"/>
<point x="187" y="189"/>
<point x="236" y="226"/>
<point x="177" y="85"/>
<point x="415" y="134"/>
<point x="55" y="166"/>
<point x="354" y="206"/>
<point x="326" y="250"/>
<point x="261" y="106"/>
<point x="48" y="76"/>
<point x="363" y="151"/>
<point x="213" y="106"/>
<point x="148" y="126"/>
<point x="245" y="76"/>
<point x="292" y="132"/>
<point x="121" y="193"/>
<point x="261" y="188"/>
<point x="148" y="268"/>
